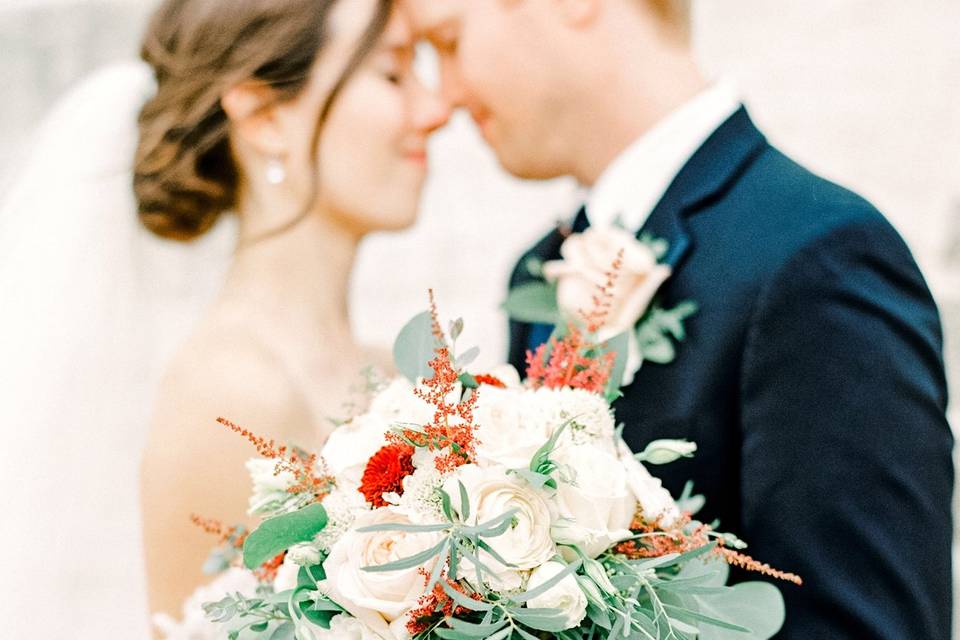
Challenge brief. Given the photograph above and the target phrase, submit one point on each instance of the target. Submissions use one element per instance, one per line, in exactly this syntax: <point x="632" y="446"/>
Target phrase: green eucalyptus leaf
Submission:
<point x="309" y="576"/>
<point x="466" y="358"/>
<point x="456" y="328"/>
<point x="464" y="501"/>
<point x="415" y="347"/>
<point x="547" y="585"/>
<point x="619" y="345"/>
<point x="278" y="534"/>
<point x="409" y="562"/>
<point x="403" y="526"/>
<point x="285" y="631"/>
<point x="657" y="348"/>
<point x="468" y="603"/>
<point x="542" y="619"/>
<point x="534" y="302"/>
<point x="468" y="381"/>
<point x="757" y="606"/>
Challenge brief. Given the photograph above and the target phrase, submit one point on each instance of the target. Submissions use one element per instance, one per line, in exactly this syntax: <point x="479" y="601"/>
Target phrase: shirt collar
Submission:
<point x="633" y="184"/>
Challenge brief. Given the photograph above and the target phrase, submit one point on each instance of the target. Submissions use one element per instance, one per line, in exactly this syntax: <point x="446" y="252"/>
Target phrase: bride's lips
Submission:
<point x="417" y="156"/>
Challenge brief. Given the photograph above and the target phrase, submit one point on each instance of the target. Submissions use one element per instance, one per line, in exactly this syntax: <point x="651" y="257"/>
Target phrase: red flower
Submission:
<point x="493" y="381"/>
<point x="385" y="472"/>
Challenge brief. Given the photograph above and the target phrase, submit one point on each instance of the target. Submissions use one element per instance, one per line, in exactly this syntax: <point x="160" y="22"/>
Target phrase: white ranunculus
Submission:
<point x="566" y="595"/>
<point x="388" y="593"/>
<point x="505" y="437"/>
<point x="350" y="446"/>
<point x="399" y="406"/>
<point x="526" y="544"/>
<point x="345" y="627"/>
<point x="595" y="505"/>
<point x="588" y="257"/>
<point x="656" y="503"/>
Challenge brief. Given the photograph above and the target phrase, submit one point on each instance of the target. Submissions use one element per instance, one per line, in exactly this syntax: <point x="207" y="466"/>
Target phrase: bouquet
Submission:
<point x="467" y="504"/>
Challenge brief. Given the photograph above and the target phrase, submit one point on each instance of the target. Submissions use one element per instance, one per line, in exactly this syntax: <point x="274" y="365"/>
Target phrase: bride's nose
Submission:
<point x="430" y="111"/>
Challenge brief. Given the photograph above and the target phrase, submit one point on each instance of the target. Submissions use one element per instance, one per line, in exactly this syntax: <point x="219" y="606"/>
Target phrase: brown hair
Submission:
<point x="184" y="173"/>
<point x="677" y="13"/>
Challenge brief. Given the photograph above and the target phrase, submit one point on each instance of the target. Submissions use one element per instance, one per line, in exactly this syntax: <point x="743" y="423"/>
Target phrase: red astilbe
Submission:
<point x="744" y="561"/>
<point x="235" y="535"/>
<point x="451" y="430"/>
<point x="603" y="298"/>
<point x="657" y="541"/>
<point x="385" y="472"/>
<point x="302" y="465"/>
<point x="432" y="607"/>
<point x="267" y="572"/>
<point x="573" y="362"/>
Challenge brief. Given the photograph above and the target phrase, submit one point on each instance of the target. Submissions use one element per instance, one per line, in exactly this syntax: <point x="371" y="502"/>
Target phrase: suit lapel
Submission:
<point x="708" y="173"/>
<point x="712" y="169"/>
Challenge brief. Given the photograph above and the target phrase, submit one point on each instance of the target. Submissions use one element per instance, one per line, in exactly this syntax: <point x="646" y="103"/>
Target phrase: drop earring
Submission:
<point x="276" y="172"/>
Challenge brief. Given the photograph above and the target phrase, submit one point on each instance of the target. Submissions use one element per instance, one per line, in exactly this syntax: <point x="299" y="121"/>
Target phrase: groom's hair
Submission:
<point x="676" y="13"/>
<point x="185" y="175"/>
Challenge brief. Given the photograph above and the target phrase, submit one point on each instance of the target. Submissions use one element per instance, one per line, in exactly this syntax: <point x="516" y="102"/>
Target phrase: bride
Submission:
<point x="304" y="118"/>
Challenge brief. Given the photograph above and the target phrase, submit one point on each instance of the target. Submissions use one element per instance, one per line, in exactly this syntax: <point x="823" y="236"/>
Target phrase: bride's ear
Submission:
<point x="251" y="108"/>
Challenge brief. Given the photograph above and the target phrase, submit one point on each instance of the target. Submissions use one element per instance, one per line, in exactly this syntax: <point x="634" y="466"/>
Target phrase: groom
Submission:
<point x="811" y="377"/>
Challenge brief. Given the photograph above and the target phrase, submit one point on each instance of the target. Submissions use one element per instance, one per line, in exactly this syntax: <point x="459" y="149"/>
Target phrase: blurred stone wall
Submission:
<point x="865" y="92"/>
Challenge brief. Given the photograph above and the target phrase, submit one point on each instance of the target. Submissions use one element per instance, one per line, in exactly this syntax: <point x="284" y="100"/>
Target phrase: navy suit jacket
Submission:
<point x="812" y="380"/>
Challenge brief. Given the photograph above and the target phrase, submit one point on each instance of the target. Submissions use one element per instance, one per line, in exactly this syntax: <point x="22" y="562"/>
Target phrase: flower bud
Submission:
<point x="666" y="451"/>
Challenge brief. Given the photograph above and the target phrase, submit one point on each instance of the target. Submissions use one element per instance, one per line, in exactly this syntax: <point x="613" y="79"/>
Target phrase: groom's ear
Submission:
<point x="578" y="13"/>
<point x="250" y="108"/>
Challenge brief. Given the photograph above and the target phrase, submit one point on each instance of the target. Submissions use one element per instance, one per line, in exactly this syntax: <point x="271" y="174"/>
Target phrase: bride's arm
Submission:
<point x="194" y="465"/>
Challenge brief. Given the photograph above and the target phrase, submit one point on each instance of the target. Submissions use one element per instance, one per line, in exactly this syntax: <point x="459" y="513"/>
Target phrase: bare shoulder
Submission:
<point x="225" y="370"/>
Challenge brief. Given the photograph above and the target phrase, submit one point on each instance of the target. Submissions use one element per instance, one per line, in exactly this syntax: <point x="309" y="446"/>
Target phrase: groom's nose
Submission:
<point x="431" y="110"/>
<point x="452" y="87"/>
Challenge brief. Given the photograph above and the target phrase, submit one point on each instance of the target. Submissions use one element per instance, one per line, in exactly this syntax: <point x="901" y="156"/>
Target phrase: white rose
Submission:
<point x="526" y="543"/>
<point x="596" y="505"/>
<point x="505" y="437"/>
<point x="655" y="501"/>
<point x="588" y="257"/>
<point x="349" y="447"/>
<point x="566" y="595"/>
<point x="387" y="593"/>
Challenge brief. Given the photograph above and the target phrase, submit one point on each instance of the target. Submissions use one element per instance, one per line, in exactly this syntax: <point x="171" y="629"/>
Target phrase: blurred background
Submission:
<point x="866" y="93"/>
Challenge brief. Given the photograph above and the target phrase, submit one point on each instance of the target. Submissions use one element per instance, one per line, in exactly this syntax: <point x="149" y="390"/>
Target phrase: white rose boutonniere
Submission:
<point x="588" y="258"/>
<point x="624" y="273"/>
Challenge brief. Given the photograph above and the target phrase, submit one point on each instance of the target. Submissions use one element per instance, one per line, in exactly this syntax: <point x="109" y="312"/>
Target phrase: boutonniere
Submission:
<point x="611" y="267"/>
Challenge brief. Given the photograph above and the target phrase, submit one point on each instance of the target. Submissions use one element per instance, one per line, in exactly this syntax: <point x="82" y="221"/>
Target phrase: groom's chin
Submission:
<point x="527" y="168"/>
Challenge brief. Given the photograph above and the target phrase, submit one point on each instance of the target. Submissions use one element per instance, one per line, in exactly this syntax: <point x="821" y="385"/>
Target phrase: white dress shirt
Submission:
<point x="632" y="185"/>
